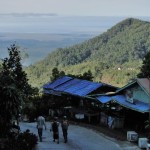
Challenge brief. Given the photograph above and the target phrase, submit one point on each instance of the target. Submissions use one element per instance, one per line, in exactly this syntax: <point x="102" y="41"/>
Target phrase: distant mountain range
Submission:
<point x="113" y="57"/>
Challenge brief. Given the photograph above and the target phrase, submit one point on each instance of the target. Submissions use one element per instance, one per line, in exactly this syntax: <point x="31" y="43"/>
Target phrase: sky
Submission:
<point x="78" y="7"/>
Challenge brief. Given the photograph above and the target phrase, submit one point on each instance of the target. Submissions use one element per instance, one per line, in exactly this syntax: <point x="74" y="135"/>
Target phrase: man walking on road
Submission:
<point x="40" y="124"/>
<point x="64" y="126"/>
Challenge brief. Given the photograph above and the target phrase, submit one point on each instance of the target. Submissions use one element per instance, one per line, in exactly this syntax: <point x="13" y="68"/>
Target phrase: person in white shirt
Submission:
<point x="40" y="124"/>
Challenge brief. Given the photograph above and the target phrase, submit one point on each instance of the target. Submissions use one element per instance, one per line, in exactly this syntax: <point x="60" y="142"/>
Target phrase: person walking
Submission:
<point x="64" y="126"/>
<point x="40" y="124"/>
<point x="55" y="129"/>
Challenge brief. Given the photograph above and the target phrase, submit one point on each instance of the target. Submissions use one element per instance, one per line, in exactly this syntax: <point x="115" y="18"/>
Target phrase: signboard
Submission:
<point x="129" y="96"/>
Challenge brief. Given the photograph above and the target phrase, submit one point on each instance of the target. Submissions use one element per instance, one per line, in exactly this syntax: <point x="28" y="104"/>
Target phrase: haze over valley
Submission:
<point x="39" y="34"/>
<point x="76" y="44"/>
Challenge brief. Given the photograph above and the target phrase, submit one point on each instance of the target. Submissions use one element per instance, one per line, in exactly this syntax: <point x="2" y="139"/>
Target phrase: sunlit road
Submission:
<point x="79" y="138"/>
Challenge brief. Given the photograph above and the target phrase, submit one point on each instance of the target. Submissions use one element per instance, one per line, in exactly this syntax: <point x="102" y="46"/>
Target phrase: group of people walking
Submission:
<point x="54" y="127"/>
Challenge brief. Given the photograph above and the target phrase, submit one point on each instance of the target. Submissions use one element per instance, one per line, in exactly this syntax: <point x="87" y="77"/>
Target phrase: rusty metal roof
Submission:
<point x="145" y="84"/>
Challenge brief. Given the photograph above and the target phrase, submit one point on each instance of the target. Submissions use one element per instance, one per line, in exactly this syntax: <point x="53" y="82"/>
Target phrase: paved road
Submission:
<point x="79" y="138"/>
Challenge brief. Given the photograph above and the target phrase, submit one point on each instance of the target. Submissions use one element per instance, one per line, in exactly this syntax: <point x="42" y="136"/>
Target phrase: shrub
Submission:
<point x="29" y="140"/>
<point x="22" y="141"/>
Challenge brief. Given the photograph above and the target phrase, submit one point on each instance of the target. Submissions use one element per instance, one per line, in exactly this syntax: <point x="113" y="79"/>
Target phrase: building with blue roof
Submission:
<point x="76" y="91"/>
<point x="76" y="87"/>
<point x="129" y="105"/>
<point x="133" y="100"/>
<point x="135" y="96"/>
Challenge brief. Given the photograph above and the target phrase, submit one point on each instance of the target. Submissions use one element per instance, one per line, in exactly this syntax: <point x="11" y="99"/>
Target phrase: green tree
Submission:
<point x="10" y="103"/>
<point x="12" y="67"/>
<point x="87" y="75"/>
<point x="145" y="69"/>
<point x="14" y="88"/>
<point x="56" y="74"/>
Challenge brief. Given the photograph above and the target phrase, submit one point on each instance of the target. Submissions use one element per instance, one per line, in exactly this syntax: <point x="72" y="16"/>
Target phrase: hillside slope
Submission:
<point x="123" y="46"/>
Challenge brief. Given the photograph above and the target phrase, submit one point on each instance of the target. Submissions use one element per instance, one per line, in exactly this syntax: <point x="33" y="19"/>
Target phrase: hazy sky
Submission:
<point x="78" y="7"/>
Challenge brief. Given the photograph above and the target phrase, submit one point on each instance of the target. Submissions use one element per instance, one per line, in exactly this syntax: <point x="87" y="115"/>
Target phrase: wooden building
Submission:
<point x="78" y="92"/>
<point x="131" y="102"/>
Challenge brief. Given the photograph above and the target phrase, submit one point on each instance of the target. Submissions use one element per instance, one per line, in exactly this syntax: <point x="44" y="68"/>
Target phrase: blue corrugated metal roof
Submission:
<point x="104" y="99"/>
<point x="73" y="86"/>
<point x="137" y="105"/>
<point x="83" y="88"/>
<point x="45" y="85"/>
<point x="67" y="84"/>
<point x="88" y="89"/>
<point x="121" y="99"/>
<point x="78" y="87"/>
<point x="57" y="82"/>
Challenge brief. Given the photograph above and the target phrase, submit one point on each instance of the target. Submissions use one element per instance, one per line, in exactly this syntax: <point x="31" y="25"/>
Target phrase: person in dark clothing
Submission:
<point x="64" y="126"/>
<point x="55" y="129"/>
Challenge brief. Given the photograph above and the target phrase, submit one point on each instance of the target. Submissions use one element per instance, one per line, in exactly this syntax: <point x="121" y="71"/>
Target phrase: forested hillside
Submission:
<point x="113" y="57"/>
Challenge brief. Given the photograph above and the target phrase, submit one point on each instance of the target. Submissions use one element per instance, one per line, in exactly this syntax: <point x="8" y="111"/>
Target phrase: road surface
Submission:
<point x="79" y="138"/>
